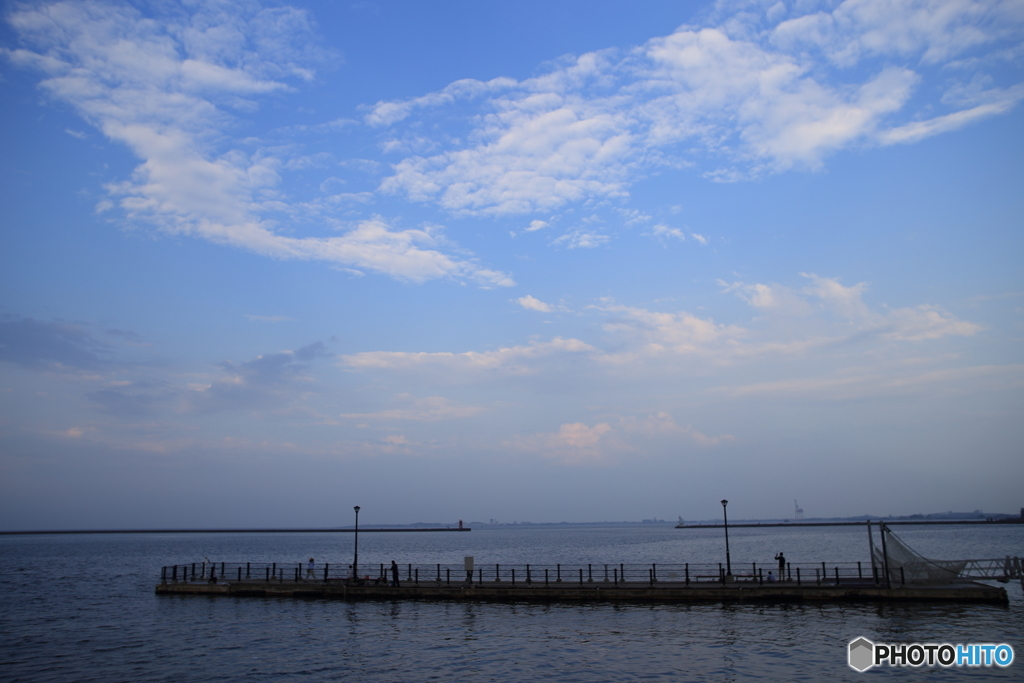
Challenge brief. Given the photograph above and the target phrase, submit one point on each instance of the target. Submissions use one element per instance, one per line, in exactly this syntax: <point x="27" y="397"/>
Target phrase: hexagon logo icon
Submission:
<point x="862" y="654"/>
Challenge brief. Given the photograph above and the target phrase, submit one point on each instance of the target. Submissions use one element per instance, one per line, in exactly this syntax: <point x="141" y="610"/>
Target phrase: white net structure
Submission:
<point x="916" y="568"/>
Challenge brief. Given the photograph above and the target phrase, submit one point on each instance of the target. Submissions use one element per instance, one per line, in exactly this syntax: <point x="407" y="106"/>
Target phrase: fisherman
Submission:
<point x="782" y="565"/>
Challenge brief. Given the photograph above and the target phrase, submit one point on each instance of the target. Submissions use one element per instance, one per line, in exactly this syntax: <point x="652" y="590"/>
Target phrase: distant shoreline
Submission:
<point x="227" y="531"/>
<point x="739" y="524"/>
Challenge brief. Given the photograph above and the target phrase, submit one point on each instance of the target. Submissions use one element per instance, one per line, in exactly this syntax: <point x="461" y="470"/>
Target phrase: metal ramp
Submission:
<point x="1003" y="570"/>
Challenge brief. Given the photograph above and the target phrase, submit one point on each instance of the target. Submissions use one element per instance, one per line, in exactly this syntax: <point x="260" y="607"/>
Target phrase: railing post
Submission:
<point x="439" y="572"/>
<point x="409" y="576"/>
<point x="222" y="569"/>
<point x="268" y="575"/>
<point x="513" y="577"/>
<point x="590" y="573"/>
<point x="837" y="575"/>
<point x="687" y="573"/>
<point x="860" y="574"/>
<point x="622" y="572"/>
<point x="239" y="573"/>
<point x="193" y="571"/>
<point x="497" y="573"/>
<point x="558" y="573"/>
<point x="798" y="576"/>
<point x="417" y="576"/>
<point x="615" y="573"/>
<point x="326" y="565"/>
<point x="529" y="579"/>
<point x="789" y="570"/>
<point x="721" y="574"/>
<point x="545" y="577"/>
<point x="754" y="567"/>
<point x="581" y="577"/>
<point x="448" y="575"/>
<point x="903" y="581"/>
<point x="174" y="573"/>
<point x="760" y="577"/>
<point x="247" y="570"/>
<point x="654" y="572"/>
<point x="606" y="573"/>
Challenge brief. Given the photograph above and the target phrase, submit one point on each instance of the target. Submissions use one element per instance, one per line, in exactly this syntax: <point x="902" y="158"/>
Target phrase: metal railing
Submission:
<point x="1004" y="569"/>
<point x="531" y="575"/>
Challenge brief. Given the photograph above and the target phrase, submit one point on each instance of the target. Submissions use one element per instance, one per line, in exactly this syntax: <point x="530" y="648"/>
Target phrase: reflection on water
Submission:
<point x="82" y="608"/>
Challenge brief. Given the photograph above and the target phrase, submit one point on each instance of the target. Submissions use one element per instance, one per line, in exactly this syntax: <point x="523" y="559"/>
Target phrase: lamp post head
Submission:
<point x="356" y="508"/>
<point x="724" y="503"/>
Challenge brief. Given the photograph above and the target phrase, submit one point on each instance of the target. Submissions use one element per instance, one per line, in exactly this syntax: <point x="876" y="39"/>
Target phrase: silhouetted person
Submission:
<point x="782" y="565"/>
<point x="309" y="569"/>
<point x="394" y="574"/>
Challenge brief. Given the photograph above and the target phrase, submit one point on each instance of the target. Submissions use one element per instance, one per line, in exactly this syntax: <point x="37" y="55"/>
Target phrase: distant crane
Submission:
<point x="798" y="511"/>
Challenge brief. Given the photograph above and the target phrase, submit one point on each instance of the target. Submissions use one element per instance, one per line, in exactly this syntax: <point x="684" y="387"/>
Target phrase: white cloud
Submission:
<point x="163" y="87"/>
<point x="574" y="443"/>
<point x="508" y="360"/>
<point x="579" y="443"/>
<point x="661" y="230"/>
<point x="536" y="225"/>
<point x="582" y="239"/>
<point x="429" y="409"/>
<point x="657" y="332"/>
<point x="829" y="295"/>
<point x="757" y="98"/>
<point x="533" y="304"/>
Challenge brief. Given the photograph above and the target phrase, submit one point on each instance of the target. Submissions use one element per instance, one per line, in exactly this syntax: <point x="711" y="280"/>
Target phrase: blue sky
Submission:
<point x="535" y="261"/>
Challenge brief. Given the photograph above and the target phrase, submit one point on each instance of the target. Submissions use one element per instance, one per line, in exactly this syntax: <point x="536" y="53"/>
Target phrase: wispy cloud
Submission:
<point x="758" y="88"/>
<point x="616" y="438"/>
<point x="168" y="87"/>
<point x="429" y="409"/>
<point x="816" y="321"/>
<point x="508" y="360"/>
<point x="533" y="304"/>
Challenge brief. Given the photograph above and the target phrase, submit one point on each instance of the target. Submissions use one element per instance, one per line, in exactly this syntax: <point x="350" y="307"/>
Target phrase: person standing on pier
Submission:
<point x="782" y="566"/>
<point x="394" y="574"/>
<point x="309" y="569"/>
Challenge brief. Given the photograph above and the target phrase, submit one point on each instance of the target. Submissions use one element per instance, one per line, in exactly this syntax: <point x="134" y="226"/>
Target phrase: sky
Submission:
<point x="532" y="261"/>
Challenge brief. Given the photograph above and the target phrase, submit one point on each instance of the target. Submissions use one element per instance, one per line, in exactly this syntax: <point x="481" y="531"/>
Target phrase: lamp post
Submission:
<point x="728" y="560"/>
<point x="355" y="558"/>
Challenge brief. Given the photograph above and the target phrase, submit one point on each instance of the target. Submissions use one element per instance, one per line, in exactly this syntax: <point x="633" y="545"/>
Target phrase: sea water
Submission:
<point x="83" y="608"/>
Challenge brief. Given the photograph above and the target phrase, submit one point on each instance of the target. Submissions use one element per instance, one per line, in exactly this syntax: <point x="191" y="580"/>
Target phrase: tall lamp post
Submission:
<point x="355" y="559"/>
<point x="728" y="560"/>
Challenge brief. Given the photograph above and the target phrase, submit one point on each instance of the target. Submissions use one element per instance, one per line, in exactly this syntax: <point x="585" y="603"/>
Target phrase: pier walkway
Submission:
<point x="652" y="583"/>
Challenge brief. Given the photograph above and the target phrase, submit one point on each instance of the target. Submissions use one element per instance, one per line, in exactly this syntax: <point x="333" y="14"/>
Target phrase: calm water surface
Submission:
<point x="82" y="608"/>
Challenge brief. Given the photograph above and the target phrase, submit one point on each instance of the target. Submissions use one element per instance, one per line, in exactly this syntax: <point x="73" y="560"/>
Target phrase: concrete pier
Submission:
<point x="638" y="592"/>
